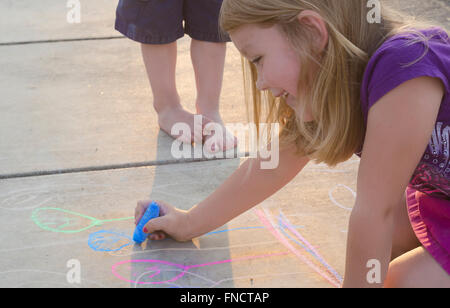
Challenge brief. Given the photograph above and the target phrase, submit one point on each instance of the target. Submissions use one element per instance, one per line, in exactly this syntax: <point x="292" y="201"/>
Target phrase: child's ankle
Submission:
<point x="166" y="107"/>
<point x="207" y="111"/>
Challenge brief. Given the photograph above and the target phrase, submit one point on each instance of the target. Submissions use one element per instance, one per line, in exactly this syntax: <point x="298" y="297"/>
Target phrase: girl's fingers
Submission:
<point x="164" y="208"/>
<point x="155" y="226"/>
<point x="140" y="210"/>
<point x="157" y="236"/>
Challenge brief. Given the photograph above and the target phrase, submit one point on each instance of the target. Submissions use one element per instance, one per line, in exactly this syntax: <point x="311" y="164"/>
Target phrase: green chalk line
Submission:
<point x="95" y="221"/>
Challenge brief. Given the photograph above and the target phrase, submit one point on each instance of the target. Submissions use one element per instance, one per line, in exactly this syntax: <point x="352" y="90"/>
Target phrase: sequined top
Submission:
<point x="385" y="71"/>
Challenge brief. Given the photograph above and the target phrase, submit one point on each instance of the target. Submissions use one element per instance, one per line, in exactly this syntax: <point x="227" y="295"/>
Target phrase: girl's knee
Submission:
<point x="416" y="269"/>
<point x="397" y="276"/>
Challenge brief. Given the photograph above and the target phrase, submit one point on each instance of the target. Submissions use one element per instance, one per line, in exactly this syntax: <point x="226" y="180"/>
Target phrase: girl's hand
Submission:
<point x="171" y="221"/>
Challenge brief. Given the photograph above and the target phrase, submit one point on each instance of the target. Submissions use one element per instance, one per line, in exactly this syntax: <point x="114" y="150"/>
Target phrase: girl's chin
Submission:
<point x="292" y="102"/>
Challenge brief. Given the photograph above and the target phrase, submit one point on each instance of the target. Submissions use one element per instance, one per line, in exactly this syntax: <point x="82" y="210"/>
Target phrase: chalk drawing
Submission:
<point x="109" y="240"/>
<point x="60" y="220"/>
<point x="25" y="199"/>
<point x="179" y="270"/>
<point x="213" y="284"/>
<point x="283" y="224"/>
<point x="306" y="245"/>
<point x="154" y="271"/>
<point x="267" y="221"/>
<point x="127" y="251"/>
<point x="161" y="265"/>
<point x="103" y="240"/>
<point x="330" y="194"/>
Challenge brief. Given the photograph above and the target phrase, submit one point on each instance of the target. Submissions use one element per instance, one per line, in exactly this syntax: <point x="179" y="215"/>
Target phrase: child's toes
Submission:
<point x="231" y="142"/>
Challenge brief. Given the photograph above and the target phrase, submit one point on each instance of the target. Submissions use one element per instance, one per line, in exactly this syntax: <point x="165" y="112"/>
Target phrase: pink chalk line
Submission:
<point x="290" y="227"/>
<point x="269" y="225"/>
<point x="185" y="268"/>
<point x="265" y="219"/>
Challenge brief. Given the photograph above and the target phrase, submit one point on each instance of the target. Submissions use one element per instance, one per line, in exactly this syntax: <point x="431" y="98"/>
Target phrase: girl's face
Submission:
<point x="276" y="61"/>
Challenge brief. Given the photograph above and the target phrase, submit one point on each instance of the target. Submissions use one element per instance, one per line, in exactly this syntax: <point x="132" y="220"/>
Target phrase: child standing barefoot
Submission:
<point x="157" y="25"/>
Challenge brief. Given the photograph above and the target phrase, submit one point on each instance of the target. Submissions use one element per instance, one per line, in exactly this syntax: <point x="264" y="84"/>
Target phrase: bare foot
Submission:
<point x="170" y="116"/>
<point x="223" y="139"/>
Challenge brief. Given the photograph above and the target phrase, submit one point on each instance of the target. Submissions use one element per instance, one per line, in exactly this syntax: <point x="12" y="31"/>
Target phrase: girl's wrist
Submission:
<point x="191" y="225"/>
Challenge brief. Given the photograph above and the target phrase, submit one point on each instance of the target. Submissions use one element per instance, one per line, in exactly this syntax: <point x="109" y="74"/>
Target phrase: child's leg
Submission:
<point x="411" y="264"/>
<point x="416" y="269"/>
<point x="208" y="59"/>
<point x="404" y="239"/>
<point x="160" y="63"/>
<point x="157" y="25"/>
<point x="208" y="49"/>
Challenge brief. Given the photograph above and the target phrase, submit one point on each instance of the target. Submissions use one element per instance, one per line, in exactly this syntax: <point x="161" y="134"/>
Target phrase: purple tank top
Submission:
<point x="385" y="72"/>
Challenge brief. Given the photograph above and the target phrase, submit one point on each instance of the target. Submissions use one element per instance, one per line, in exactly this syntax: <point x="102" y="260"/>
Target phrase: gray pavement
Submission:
<point x="80" y="144"/>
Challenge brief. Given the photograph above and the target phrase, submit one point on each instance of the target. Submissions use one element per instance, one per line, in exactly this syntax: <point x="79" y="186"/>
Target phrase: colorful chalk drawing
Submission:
<point x="156" y="267"/>
<point x="63" y="221"/>
<point x="267" y="221"/>
<point x="159" y="266"/>
<point x="109" y="240"/>
<point x="103" y="240"/>
<point x="60" y="220"/>
<point x="282" y="220"/>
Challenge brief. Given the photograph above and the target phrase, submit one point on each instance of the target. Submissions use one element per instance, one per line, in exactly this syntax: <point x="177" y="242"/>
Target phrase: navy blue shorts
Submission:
<point x="161" y="21"/>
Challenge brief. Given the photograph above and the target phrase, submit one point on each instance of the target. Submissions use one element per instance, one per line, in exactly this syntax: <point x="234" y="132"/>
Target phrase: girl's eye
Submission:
<point x="256" y="61"/>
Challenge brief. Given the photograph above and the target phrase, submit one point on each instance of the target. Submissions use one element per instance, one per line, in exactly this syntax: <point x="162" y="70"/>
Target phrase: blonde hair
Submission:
<point x="338" y="129"/>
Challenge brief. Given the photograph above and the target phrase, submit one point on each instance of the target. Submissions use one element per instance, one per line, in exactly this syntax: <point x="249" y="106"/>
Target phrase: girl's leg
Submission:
<point x="160" y="63"/>
<point x="411" y="265"/>
<point x="208" y="59"/>
<point x="404" y="239"/>
<point x="416" y="269"/>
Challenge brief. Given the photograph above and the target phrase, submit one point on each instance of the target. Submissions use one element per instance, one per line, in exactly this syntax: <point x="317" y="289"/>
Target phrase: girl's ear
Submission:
<point x="315" y="21"/>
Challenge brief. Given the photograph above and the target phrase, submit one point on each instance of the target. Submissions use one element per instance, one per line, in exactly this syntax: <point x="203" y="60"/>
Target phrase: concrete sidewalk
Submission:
<point x="80" y="144"/>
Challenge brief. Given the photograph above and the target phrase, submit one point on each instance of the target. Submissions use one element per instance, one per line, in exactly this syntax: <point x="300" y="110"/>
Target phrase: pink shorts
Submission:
<point x="430" y="219"/>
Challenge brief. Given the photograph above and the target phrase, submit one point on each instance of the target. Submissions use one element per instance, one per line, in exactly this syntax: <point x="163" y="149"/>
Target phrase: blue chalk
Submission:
<point x="152" y="212"/>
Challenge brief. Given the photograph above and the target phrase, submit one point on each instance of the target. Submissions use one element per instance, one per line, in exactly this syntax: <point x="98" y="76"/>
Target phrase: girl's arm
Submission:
<point x="398" y="131"/>
<point x="248" y="186"/>
<point x="245" y="188"/>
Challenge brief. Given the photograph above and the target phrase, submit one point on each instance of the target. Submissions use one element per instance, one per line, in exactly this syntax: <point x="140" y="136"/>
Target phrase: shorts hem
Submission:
<point x="136" y="34"/>
<point x="423" y="234"/>
<point x="205" y="36"/>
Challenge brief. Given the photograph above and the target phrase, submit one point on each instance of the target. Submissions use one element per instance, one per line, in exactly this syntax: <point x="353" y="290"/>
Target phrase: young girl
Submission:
<point x="339" y="85"/>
